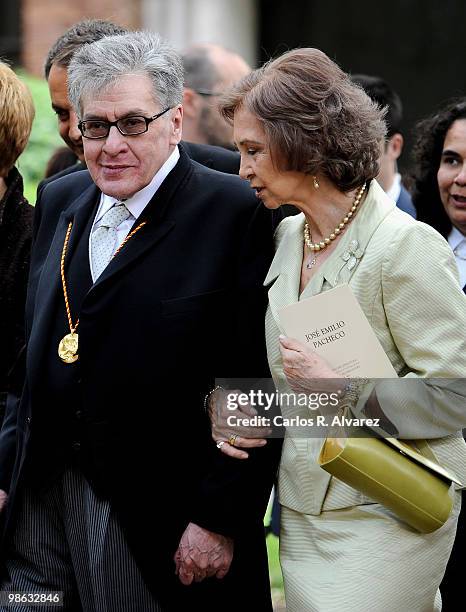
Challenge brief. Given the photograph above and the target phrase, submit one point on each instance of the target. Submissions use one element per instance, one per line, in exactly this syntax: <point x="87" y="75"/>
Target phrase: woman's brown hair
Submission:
<point x="315" y="119"/>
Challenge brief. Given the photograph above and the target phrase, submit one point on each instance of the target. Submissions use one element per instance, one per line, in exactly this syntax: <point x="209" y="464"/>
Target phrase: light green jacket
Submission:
<point x="404" y="276"/>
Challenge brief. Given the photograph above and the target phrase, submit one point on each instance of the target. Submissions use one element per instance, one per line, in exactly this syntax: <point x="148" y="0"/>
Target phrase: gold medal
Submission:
<point x="68" y="348"/>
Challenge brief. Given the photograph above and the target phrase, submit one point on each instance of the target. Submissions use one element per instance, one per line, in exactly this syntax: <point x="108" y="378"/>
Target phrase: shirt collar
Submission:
<point x="288" y="256"/>
<point x="395" y="189"/>
<point x="455" y="238"/>
<point x="137" y="203"/>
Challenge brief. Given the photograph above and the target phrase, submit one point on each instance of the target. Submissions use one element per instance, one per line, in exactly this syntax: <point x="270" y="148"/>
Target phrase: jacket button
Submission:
<point x="28" y="420"/>
<point x="79" y="414"/>
<point x="76" y="446"/>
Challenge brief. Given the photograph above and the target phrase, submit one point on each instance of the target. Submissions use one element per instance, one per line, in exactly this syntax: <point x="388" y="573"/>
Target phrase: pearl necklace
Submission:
<point x="318" y="246"/>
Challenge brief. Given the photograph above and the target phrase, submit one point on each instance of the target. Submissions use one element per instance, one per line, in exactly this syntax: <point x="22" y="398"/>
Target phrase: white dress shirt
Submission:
<point x="395" y="189"/>
<point x="135" y="204"/>
<point x="457" y="241"/>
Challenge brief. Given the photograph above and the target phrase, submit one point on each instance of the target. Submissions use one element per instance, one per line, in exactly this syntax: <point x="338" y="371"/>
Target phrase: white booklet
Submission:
<point x="334" y="325"/>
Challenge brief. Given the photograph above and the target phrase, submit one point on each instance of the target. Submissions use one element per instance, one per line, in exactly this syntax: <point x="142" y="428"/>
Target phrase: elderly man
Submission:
<point x="142" y="290"/>
<point x="209" y="71"/>
<point x="56" y="71"/>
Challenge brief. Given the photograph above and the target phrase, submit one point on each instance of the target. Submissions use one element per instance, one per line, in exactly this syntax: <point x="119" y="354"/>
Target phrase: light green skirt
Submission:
<point x="362" y="559"/>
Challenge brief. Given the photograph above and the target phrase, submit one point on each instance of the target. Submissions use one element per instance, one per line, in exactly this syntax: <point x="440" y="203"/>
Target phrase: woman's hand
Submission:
<point x="305" y="370"/>
<point x="226" y="424"/>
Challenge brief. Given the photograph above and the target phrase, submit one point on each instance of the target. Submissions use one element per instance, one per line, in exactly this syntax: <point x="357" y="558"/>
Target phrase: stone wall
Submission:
<point x="43" y="21"/>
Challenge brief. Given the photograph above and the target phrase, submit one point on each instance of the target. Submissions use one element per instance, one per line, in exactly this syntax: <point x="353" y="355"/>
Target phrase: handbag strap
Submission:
<point x="423" y="448"/>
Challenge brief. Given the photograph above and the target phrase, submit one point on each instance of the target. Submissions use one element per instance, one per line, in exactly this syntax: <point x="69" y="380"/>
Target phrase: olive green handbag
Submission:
<point x="406" y="480"/>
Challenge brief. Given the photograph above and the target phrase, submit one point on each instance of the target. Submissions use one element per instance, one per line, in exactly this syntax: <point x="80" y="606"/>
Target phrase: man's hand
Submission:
<point x="246" y="436"/>
<point x="202" y="554"/>
<point x="3" y="498"/>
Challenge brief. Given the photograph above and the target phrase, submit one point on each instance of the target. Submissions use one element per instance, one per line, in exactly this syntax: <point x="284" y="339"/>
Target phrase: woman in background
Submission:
<point x="440" y="198"/>
<point x="16" y="117"/>
<point x="439" y="192"/>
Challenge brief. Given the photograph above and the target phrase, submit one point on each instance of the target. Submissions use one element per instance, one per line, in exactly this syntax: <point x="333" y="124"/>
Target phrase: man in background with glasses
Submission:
<point x="145" y="284"/>
<point x="210" y="70"/>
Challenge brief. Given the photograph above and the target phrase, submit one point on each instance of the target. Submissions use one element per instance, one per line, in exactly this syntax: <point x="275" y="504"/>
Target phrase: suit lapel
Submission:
<point x="159" y="224"/>
<point x="285" y="271"/>
<point x="49" y="285"/>
<point x="343" y="262"/>
<point x="160" y="218"/>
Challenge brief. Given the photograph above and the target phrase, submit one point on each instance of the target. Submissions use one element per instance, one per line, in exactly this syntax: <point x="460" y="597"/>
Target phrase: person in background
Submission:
<point x="439" y="177"/>
<point x="309" y="136"/>
<point x="56" y="72"/>
<point x="16" y="117"/>
<point x="210" y="70"/>
<point x="439" y="194"/>
<point x="389" y="178"/>
<point x="61" y="159"/>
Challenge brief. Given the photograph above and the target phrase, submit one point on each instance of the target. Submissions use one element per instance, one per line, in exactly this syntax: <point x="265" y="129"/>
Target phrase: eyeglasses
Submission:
<point x="127" y="126"/>
<point x="207" y="92"/>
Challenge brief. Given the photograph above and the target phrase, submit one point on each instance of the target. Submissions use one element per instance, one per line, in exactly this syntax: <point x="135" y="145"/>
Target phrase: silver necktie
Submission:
<point x="104" y="238"/>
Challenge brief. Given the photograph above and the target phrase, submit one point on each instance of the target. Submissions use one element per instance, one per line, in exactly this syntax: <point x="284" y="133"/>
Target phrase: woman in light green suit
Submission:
<point x="309" y="137"/>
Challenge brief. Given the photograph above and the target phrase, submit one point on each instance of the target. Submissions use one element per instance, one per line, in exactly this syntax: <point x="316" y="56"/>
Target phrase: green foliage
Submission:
<point x="276" y="578"/>
<point x="44" y="137"/>
<point x="275" y="573"/>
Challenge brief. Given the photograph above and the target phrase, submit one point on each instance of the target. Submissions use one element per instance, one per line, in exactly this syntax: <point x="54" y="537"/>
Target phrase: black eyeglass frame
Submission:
<point x="110" y="124"/>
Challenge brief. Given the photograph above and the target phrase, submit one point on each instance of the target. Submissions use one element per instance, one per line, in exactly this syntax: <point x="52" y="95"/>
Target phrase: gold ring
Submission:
<point x="232" y="439"/>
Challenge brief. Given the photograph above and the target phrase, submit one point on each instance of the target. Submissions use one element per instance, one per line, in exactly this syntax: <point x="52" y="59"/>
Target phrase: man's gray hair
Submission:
<point x="99" y="65"/>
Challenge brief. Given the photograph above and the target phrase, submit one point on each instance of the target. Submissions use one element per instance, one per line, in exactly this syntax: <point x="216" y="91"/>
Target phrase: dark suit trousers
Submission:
<point x="68" y="540"/>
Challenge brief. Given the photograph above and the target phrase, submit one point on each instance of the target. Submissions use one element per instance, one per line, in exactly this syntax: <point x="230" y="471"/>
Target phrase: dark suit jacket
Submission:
<point x="78" y="166"/>
<point x="183" y="302"/>
<point x="405" y="202"/>
<point x="213" y="157"/>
